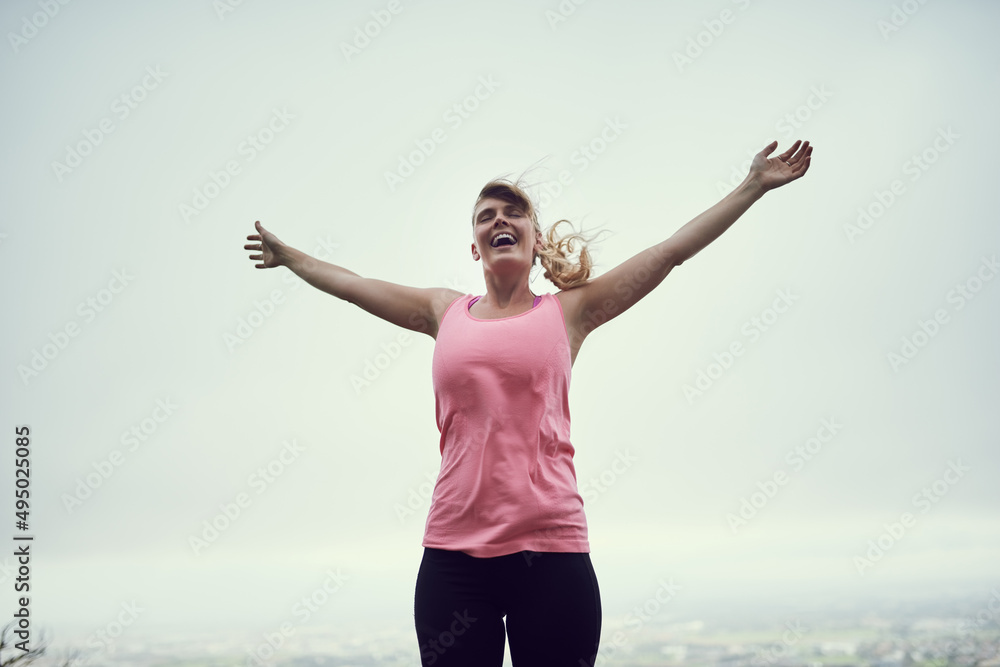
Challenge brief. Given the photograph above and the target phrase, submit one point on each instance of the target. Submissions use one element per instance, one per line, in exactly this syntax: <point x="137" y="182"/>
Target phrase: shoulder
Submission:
<point x="444" y="299"/>
<point x="436" y="302"/>
<point x="572" y="301"/>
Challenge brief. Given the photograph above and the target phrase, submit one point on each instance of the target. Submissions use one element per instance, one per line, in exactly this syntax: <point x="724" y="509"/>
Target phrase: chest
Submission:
<point x="524" y="349"/>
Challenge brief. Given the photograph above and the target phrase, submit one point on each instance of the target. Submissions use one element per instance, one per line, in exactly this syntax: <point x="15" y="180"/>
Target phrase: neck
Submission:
<point x="506" y="291"/>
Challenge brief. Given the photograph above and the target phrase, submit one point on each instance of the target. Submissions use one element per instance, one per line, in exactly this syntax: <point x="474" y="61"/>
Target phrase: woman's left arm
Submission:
<point x="610" y="294"/>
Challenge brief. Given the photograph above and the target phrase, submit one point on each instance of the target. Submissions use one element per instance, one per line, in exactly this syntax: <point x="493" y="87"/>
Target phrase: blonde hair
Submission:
<point x="557" y="254"/>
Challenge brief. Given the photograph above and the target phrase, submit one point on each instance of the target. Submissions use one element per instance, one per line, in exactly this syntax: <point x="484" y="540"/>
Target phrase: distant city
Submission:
<point x="965" y="633"/>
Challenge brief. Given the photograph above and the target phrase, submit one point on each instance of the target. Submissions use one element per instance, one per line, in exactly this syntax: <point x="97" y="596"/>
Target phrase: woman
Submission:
<point x="506" y="535"/>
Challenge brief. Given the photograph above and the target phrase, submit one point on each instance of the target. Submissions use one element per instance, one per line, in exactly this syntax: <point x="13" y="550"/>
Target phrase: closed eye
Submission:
<point x="488" y="214"/>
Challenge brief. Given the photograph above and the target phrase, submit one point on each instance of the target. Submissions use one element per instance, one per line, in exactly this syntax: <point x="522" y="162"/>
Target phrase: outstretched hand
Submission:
<point x="774" y="172"/>
<point x="269" y="246"/>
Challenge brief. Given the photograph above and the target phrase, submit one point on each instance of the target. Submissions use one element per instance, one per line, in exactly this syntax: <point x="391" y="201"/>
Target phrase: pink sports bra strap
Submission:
<point x="538" y="300"/>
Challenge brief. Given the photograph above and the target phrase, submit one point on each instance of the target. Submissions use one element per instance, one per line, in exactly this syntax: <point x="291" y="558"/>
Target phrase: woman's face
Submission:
<point x="503" y="233"/>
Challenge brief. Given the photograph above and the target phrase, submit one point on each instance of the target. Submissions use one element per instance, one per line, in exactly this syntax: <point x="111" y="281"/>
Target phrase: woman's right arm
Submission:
<point x="414" y="308"/>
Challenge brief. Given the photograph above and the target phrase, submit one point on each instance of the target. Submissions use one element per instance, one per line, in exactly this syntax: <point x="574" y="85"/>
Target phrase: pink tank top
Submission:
<point x="507" y="481"/>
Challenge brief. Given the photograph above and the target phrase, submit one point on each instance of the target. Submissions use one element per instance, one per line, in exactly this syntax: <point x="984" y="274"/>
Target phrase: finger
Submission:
<point x="259" y="258"/>
<point x="796" y="163"/>
<point x="801" y="152"/>
<point x="787" y="154"/>
<point x="803" y="159"/>
<point x="255" y="246"/>
<point x="767" y="150"/>
<point x="802" y="167"/>
<point x="806" y="161"/>
<point x="253" y="237"/>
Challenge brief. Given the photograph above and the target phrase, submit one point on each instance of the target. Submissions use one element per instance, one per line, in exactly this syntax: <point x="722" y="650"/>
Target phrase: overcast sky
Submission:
<point x="159" y="372"/>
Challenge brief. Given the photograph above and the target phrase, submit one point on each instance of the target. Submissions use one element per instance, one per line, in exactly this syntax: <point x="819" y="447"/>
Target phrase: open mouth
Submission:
<point x="502" y="239"/>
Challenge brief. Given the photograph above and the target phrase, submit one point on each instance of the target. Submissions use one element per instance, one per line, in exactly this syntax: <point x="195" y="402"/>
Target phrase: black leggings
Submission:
<point x="551" y="602"/>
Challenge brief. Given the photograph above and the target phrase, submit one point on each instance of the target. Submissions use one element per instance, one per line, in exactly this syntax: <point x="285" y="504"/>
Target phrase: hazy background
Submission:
<point x="184" y="325"/>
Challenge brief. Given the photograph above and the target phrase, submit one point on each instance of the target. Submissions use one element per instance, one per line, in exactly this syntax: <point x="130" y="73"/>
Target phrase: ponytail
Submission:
<point x="556" y="257"/>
